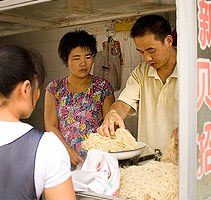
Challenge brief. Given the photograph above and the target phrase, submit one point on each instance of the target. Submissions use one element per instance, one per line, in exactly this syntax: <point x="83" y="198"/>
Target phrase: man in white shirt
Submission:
<point x="152" y="87"/>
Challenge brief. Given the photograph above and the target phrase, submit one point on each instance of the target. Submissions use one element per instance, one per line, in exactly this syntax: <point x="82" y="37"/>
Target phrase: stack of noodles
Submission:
<point x="153" y="180"/>
<point x="170" y="153"/>
<point x="121" y="141"/>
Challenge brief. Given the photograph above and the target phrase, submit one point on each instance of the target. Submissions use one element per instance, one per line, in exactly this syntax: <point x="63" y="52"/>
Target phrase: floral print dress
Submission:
<point x="79" y="113"/>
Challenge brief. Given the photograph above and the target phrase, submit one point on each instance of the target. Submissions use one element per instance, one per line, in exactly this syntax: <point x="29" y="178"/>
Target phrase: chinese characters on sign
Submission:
<point x="203" y="80"/>
<point x="204" y="20"/>
<point x="204" y="143"/>
<point x="204" y="86"/>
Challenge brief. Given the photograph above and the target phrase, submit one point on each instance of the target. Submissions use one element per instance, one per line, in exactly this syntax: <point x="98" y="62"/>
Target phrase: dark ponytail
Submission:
<point x="17" y="65"/>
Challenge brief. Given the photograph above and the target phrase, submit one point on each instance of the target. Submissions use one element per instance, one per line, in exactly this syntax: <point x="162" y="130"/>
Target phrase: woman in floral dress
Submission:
<point x="76" y="105"/>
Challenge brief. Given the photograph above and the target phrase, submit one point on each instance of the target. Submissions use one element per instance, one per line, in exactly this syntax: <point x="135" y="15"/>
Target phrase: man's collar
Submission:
<point x="153" y="72"/>
<point x="174" y="74"/>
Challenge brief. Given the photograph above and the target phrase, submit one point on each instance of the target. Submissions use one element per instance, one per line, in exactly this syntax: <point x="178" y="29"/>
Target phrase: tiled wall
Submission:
<point x="46" y="42"/>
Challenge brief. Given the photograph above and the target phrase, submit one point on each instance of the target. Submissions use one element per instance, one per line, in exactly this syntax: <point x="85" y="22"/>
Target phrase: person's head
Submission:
<point x="23" y="69"/>
<point x="77" y="49"/>
<point x="151" y="24"/>
<point x="153" y="39"/>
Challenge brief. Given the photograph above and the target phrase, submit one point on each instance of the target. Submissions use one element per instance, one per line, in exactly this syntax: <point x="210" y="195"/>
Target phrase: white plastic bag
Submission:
<point x="99" y="173"/>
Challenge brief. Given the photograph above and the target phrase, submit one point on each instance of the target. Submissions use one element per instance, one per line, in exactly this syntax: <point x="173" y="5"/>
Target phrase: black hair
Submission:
<point x="17" y="65"/>
<point x="155" y="24"/>
<point x="78" y="38"/>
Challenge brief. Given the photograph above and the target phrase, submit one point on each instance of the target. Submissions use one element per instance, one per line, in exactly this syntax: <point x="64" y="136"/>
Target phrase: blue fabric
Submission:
<point x="17" y="162"/>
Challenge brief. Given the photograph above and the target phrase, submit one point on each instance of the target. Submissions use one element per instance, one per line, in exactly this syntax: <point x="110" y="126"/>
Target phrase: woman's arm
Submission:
<point x="109" y="100"/>
<point x="62" y="191"/>
<point x="51" y="124"/>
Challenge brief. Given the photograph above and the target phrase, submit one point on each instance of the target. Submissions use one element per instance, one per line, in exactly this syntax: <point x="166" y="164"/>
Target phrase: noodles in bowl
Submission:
<point x="122" y="145"/>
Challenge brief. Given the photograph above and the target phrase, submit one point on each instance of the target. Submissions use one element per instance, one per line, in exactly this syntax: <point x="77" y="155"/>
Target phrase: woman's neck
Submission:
<point x="6" y="115"/>
<point x="8" y="112"/>
<point x="77" y="85"/>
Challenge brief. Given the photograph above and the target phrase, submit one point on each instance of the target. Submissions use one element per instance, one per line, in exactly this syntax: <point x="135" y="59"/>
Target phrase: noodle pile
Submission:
<point x="170" y="153"/>
<point x="121" y="141"/>
<point x="151" y="181"/>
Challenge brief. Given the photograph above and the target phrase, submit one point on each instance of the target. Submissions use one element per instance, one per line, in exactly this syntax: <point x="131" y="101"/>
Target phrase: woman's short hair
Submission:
<point x="17" y="65"/>
<point x="155" y="24"/>
<point x="78" y="38"/>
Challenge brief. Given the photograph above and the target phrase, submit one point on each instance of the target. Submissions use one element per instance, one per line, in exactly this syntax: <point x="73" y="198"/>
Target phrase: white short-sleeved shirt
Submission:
<point x="52" y="163"/>
<point x="156" y="103"/>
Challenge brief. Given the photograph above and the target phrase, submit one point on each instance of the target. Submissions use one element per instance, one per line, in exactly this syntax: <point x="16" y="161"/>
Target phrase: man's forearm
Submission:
<point x="121" y="108"/>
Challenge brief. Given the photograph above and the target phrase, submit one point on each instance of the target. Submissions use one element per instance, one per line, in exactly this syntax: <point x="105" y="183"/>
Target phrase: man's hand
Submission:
<point x="111" y="119"/>
<point x="74" y="157"/>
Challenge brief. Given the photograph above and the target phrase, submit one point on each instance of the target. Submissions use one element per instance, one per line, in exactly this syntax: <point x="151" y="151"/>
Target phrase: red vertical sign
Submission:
<point x="204" y="87"/>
